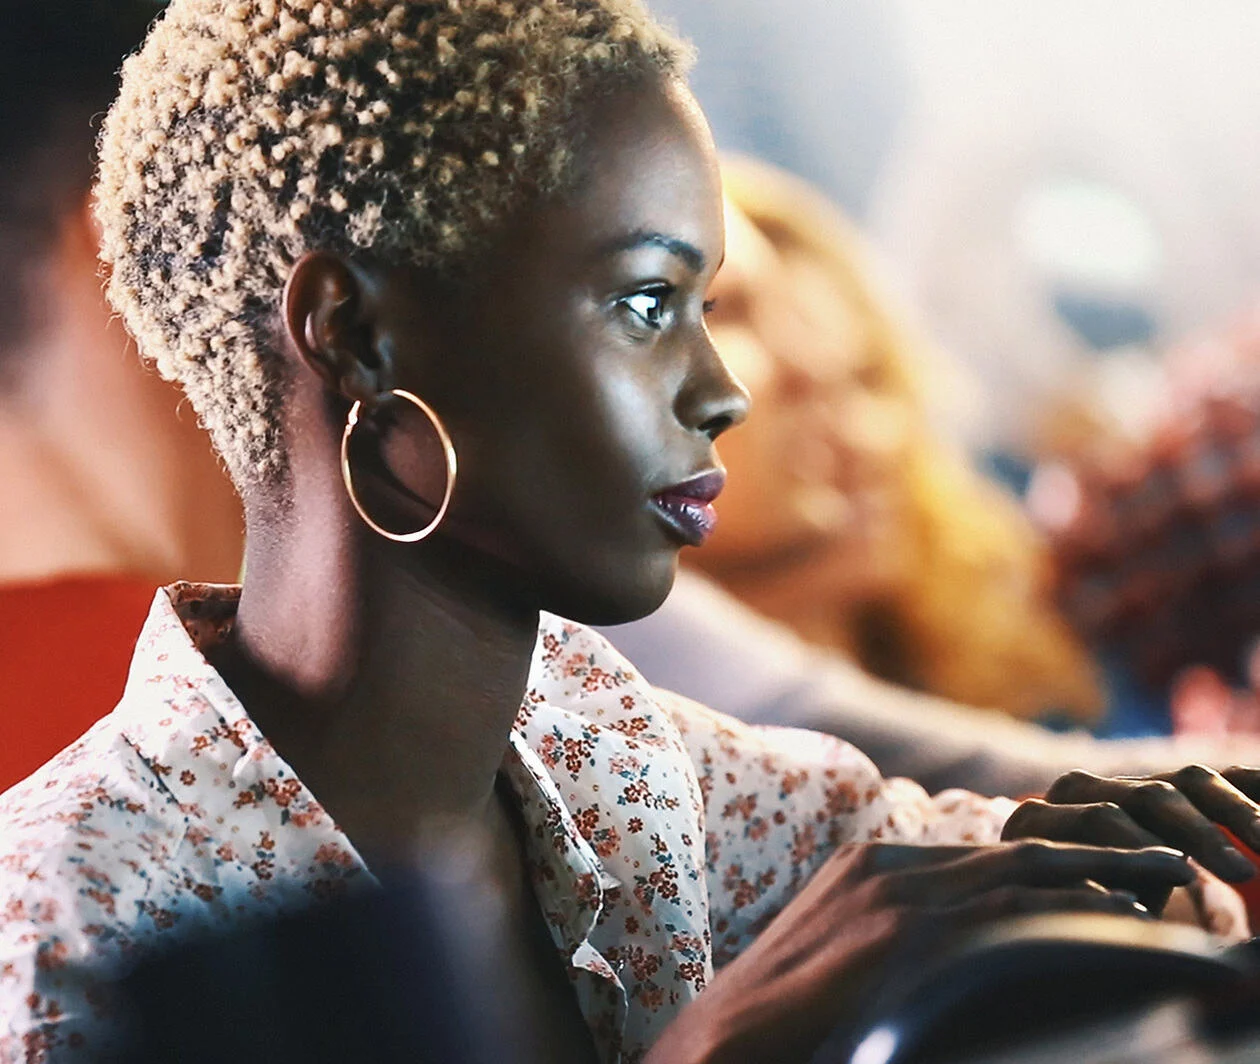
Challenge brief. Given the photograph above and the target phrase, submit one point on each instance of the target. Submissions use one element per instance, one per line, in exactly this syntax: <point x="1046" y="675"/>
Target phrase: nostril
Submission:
<point x="711" y="401"/>
<point x="715" y="426"/>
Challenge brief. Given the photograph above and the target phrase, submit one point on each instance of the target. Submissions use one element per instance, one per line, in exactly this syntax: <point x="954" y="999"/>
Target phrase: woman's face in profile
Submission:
<point x="575" y="372"/>
<point x="816" y="473"/>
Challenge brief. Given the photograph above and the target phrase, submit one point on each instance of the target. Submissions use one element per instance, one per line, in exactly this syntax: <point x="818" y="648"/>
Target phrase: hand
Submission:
<point x="1179" y="809"/>
<point x="784" y="994"/>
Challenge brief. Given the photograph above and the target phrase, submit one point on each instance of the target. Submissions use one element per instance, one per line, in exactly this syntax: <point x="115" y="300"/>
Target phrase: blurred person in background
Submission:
<point x="109" y="485"/>
<point x="1156" y="536"/>
<point x="1153" y="522"/>
<point x="847" y="520"/>
<point x="847" y="517"/>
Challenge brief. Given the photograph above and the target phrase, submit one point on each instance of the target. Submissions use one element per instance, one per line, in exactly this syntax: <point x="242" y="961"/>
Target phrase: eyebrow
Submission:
<point x="689" y="253"/>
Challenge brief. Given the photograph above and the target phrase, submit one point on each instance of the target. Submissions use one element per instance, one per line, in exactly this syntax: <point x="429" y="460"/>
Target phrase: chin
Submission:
<point x="620" y="595"/>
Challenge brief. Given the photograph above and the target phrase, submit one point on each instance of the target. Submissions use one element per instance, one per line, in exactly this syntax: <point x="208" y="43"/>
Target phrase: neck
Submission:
<point x="388" y="675"/>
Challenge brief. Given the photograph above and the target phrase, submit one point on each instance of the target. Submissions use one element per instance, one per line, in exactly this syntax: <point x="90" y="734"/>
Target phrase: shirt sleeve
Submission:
<point x="779" y="801"/>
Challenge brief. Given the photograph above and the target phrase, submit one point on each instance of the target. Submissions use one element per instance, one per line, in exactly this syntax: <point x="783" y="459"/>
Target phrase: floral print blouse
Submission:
<point x="660" y="836"/>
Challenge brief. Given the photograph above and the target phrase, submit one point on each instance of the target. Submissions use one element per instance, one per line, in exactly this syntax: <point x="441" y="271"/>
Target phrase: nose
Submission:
<point x="712" y="399"/>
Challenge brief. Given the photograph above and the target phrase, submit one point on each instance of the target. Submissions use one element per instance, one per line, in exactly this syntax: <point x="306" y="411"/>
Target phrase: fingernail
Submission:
<point x="1130" y="900"/>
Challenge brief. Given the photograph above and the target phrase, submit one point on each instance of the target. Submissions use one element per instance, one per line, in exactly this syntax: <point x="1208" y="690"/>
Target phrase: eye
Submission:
<point x="710" y="305"/>
<point x="648" y="306"/>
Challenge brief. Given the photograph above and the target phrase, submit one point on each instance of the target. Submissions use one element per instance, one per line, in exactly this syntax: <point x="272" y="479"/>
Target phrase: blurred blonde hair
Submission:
<point x="972" y="620"/>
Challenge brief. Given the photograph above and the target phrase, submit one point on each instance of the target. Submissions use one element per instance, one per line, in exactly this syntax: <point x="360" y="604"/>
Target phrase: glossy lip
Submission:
<point x="687" y="508"/>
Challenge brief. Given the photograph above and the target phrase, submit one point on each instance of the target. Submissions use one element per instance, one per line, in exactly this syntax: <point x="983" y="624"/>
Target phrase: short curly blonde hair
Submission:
<point x="248" y="132"/>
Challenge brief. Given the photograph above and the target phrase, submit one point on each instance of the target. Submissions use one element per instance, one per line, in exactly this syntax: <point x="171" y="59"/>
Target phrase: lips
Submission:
<point x="687" y="508"/>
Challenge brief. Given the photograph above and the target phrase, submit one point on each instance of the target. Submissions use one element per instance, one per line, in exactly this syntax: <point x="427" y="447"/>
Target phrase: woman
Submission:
<point x="873" y="537"/>
<point x="349" y="229"/>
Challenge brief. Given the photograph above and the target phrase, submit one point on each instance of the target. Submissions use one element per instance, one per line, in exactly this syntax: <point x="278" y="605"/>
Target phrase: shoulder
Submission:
<point x="588" y="710"/>
<point x="81" y="842"/>
<point x="78" y="836"/>
<point x="719" y="743"/>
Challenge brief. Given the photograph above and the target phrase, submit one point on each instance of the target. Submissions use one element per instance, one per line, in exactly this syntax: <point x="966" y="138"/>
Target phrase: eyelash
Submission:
<point x="661" y="294"/>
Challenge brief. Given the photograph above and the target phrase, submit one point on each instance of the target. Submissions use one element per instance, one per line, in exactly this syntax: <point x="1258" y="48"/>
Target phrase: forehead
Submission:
<point x="645" y="163"/>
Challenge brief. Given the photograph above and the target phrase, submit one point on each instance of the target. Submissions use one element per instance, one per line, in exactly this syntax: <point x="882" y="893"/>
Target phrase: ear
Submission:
<point x="327" y="323"/>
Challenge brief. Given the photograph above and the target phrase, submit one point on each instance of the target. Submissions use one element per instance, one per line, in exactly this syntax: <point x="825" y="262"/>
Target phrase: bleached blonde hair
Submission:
<point x="248" y="132"/>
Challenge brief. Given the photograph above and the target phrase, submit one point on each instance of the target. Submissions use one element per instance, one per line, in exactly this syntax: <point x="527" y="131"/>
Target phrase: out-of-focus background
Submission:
<point x="1058" y="200"/>
<point x="1048" y="184"/>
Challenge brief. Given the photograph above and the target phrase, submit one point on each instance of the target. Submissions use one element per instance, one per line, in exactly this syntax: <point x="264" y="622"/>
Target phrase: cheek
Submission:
<point x="746" y="505"/>
<point x="630" y="418"/>
<point x="876" y="433"/>
<point x="570" y="457"/>
<point x="763" y="506"/>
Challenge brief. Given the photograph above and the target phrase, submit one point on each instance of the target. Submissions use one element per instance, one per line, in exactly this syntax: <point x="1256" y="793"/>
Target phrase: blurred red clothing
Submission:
<point x="65" y="646"/>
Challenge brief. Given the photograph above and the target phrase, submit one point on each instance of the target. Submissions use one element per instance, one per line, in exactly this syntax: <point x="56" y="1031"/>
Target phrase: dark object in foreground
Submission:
<point x="385" y="976"/>
<point x="1019" y="985"/>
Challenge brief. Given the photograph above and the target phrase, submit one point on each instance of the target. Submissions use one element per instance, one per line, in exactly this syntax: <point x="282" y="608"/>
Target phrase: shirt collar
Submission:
<point x="183" y="719"/>
<point x="188" y="726"/>
<point x="569" y="878"/>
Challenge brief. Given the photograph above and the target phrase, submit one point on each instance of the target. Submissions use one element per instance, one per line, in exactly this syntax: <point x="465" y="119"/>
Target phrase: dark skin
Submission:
<point x="389" y="674"/>
<point x="577" y="379"/>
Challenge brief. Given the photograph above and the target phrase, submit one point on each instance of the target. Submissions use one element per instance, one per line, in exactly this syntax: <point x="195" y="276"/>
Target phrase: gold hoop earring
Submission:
<point x="448" y="449"/>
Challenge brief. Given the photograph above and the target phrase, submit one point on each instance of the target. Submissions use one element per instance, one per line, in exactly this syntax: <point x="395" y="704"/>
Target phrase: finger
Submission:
<point x="1079" y="787"/>
<point x="1100" y="824"/>
<point x="1006" y="902"/>
<point x="1097" y="824"/>
<point x="1037" y="863"/>
<point x="1220" y="800"/>
<point x="1152" y="902"/>
<point x="1246" y="779"/>
<point x="1160" y="808"/>
<point x="884" y="857"/>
